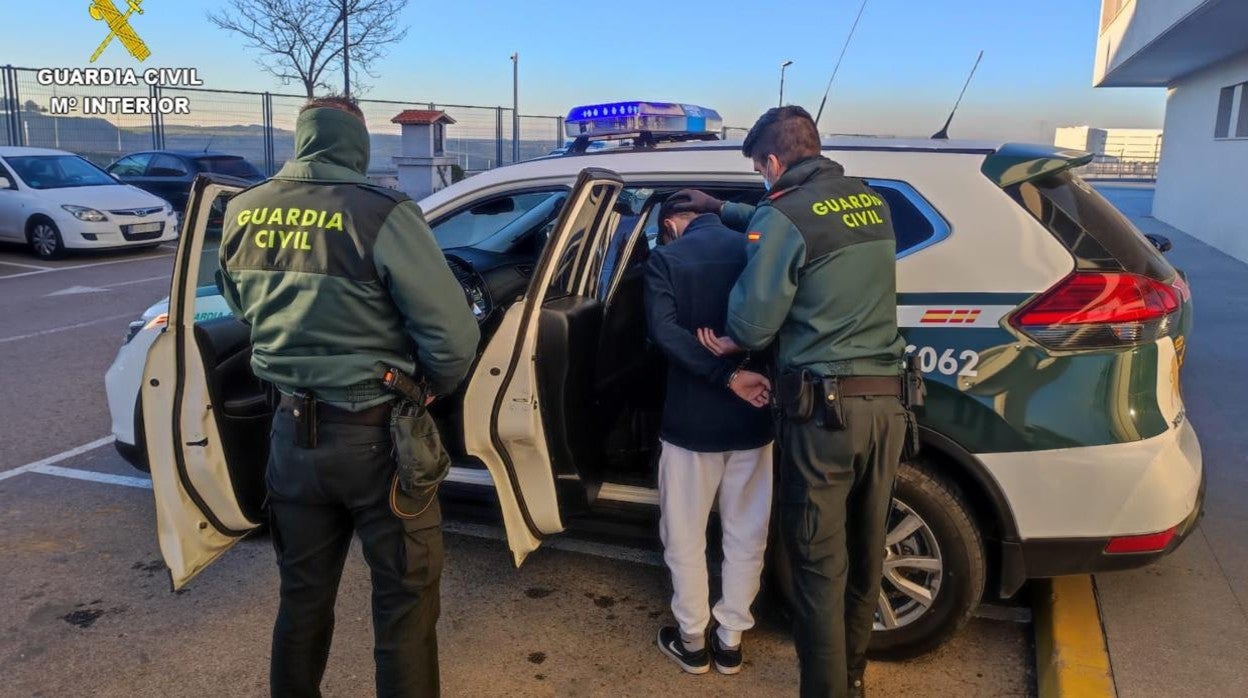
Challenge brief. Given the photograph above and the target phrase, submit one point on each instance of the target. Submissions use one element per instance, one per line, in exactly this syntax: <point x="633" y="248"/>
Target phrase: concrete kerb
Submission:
<point x="1071" y="655"/>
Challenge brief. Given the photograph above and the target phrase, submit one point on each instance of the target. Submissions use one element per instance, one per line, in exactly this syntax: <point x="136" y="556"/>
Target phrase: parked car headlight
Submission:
<point x="139" y="325"/>
<point x="83" y="213"/>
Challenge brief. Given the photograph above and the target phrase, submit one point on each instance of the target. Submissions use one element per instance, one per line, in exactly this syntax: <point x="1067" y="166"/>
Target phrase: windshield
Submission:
<point x="496" y="224"/>
<point x="58" y="172"/>
<point x="233" y="167"/>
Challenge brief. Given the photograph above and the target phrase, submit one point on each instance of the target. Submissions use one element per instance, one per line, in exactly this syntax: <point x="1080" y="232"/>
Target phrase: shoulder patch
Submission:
<point x="394" y="195"/>
<point x="753" y="236"/>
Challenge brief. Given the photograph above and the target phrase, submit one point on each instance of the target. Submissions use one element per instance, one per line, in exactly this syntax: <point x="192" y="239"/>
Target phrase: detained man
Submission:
<point x="716" y="442"/>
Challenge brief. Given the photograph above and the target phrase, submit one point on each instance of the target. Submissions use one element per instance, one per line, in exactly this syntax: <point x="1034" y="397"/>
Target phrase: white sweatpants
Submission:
<point x="688" y="484"/>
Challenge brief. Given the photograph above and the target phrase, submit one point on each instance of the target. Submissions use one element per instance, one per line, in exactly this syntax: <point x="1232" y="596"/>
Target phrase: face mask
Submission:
<point x="766" y="184"/>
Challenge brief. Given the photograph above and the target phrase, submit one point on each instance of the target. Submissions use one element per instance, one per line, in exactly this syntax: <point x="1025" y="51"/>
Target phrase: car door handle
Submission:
<point x="203" y="442"/>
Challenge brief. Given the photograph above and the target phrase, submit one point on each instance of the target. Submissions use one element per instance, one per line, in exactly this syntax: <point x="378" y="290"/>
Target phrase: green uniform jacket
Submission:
<point x="336" y="276"/>
<point x="822" y="274"/>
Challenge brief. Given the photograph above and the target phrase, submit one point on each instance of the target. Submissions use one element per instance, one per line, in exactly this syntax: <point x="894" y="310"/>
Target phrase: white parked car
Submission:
<point x="55" y="201"/>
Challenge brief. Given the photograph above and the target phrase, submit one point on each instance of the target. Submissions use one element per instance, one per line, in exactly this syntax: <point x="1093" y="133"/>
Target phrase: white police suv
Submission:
<point x="1052" y="333"/>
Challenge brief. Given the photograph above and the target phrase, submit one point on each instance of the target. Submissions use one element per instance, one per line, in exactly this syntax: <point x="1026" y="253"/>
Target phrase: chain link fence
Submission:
<point x="259" y="126"/>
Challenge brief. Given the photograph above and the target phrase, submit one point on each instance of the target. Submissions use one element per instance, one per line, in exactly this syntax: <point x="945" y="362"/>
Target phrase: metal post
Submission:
<point x="515" y="107"/>
<point x="558" y="131"/>
<point x="16" y="110"/>
<point x="346" y="54"/>
<point x="783" y="65"/>
<point x="498" y="134"/>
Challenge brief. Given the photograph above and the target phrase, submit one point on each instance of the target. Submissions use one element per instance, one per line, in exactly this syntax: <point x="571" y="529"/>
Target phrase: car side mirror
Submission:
<point x="1161" y="242"/>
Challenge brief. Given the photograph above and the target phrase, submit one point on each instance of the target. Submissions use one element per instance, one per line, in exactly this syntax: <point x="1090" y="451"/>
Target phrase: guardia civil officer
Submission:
<point x="821" y="284"/>
<point x="366" y="287"/>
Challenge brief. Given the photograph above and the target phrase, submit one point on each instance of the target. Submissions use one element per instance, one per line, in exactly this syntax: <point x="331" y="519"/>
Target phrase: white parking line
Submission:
<point x="92" y="476"/>
<point x="49" y="270"/>
<point x="24" y="266"/>
<point x="54" y="330"/>
<point x="63" y="455"/>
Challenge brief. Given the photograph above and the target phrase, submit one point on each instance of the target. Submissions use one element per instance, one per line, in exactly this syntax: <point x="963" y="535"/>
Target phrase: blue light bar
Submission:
<point x="618" y="119"/>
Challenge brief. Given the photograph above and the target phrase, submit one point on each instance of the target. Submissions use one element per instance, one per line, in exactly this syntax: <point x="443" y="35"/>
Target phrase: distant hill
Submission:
<point x="102" y="142"/>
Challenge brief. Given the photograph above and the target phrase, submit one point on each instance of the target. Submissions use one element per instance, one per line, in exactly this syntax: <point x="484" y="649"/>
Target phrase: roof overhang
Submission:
<point x="1211" y="33"/>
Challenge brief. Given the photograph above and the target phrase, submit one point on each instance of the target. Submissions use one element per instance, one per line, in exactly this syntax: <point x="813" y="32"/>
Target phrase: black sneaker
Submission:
<point x="670" y="644"/>
<point x="727" y="659"/>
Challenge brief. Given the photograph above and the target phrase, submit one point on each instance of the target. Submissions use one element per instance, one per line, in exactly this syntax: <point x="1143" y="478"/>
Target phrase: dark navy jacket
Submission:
<point x="687" y="287"/>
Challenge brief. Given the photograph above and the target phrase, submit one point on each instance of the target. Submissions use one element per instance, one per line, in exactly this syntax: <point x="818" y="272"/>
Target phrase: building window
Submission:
<point x="1226" y="100"/>
<point x="439" y="140"/>
<point x="1241" y="128"/>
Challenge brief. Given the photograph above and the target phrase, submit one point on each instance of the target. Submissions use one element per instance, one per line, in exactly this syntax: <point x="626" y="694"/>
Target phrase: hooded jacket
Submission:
<point x="337" y="277"/>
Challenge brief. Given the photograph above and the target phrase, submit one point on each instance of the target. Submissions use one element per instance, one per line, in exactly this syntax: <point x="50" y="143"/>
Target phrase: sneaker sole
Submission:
<point x="727" y="670"/>
<point x="689" y="669"/>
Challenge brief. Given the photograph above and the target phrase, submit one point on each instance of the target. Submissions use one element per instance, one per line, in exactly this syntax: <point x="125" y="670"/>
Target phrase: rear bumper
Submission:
<point x="1055" y="557"/>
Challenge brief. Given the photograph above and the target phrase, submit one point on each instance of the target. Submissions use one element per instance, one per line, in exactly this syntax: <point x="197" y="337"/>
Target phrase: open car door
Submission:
<point x="204" y="413"/>
<point x="528" y="407"/>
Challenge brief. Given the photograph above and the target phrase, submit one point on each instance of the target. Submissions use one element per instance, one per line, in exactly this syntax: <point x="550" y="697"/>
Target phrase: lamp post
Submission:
<point x="346" y="54"/>
<point x="783" y="65"/>
<point x="515" y="107"/>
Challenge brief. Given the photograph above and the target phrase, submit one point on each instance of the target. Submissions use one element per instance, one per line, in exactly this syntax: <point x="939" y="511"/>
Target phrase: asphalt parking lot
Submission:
<point x="86" y="607"/>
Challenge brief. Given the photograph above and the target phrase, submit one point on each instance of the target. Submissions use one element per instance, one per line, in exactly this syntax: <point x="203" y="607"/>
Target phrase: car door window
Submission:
<point x="916" y="223"/>
<point x="166" y="166"/>
<point x="131" y="165"/>
<point x="502" y="223"/>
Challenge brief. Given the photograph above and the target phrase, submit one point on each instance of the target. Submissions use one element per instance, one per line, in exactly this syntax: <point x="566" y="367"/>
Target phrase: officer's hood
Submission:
<point x="330" y="144"/>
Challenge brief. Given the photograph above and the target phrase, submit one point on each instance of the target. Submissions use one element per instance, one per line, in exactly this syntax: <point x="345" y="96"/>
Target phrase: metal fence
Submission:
<point x="256" y="125"/>
<point x="1103" y="167"/>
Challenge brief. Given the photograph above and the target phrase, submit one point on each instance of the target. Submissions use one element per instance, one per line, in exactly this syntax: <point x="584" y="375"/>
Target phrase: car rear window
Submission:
<point x="233" y="167"/>
<point x="1096" y="233"/>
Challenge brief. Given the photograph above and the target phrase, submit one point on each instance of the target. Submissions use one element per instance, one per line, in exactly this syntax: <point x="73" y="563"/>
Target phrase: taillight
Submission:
<point x="1100" y="310"/>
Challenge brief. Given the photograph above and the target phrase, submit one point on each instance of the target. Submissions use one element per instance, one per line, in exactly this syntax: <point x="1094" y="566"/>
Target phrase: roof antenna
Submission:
<point x="210" y="139"/>
<point x="943" y="133"/>
<point x="838" y="64"/>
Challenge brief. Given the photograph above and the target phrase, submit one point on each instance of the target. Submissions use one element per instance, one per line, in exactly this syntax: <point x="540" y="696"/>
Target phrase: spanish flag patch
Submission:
<point x="753" y="236"/>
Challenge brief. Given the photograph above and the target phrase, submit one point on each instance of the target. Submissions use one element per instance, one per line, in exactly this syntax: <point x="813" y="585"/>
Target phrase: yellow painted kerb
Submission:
<point x="1071" y="659"/>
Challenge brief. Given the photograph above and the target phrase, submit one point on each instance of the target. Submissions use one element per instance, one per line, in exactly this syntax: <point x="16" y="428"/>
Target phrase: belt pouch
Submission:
<point x="831" y="412"/>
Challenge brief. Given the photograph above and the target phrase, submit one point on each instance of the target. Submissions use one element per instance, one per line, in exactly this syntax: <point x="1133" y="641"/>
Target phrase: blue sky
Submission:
<point x="900" y="76"/>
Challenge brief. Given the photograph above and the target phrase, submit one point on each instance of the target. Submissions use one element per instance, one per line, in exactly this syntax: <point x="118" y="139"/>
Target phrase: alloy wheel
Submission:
<point x="43" y="239"/>
<point x="912" y="569"/>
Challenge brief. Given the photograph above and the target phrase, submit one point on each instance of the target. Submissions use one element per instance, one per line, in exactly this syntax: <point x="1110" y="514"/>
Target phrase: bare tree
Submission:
<point x="301" y="40"/>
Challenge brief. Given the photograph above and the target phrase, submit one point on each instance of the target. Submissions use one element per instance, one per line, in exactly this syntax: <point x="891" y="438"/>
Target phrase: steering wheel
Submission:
<point x="475" y="289"/>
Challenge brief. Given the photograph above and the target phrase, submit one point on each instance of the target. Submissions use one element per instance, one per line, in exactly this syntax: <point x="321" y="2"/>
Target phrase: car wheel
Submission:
<point x="933" y="568"/>
<point x="44" y="238"/>
<point x="139" y="459"/>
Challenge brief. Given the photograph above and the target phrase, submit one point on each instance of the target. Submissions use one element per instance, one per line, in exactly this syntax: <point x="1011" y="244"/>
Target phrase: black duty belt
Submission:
<point x="376" y="416"/>
<point x="870" y="386"/>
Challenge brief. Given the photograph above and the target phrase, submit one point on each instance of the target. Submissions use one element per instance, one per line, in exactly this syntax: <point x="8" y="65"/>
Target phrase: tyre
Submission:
<point x="136" y="454"/>
<point x="44" y="238"/>
<point x="933" y="570"/>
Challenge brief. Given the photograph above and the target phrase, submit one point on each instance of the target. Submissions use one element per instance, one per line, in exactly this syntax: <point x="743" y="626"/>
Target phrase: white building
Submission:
<point x="1198" y="50"/>
<point x="1122" y="144"/>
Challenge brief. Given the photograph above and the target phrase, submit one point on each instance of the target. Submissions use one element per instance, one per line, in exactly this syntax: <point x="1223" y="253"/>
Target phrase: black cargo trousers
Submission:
<point x="834" y="497"/>
<point x="317" y="498"/>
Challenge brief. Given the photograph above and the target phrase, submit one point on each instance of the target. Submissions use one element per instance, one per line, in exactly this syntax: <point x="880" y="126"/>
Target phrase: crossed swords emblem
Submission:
<point x="119" y="26"/>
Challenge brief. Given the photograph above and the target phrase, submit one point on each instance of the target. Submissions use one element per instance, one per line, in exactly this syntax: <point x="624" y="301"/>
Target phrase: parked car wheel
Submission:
<point x="44" y="238"/>
<point x="933" y="569"/>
